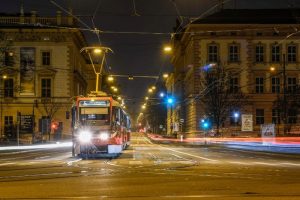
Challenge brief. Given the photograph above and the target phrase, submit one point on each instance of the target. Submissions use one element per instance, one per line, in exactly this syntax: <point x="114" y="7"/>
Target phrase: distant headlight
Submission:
<point x="104" y="136"/>
<point x="85" y="136"/>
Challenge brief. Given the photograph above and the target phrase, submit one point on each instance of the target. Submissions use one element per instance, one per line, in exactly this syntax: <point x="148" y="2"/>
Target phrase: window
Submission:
<point x="291" y="53"/>
<point x="259" y="85"/>
<point x="275" y="116"/>
<point x="291" y="84"/>
<point x="234" y="53"/>
<point x="260" y="116"/>
<point x="46" y="87"/>
<point x="8" y="126"/>
<point x="9" y="87"/>
<point x="275" y="53"/>
<point x="212" y="53"/>
<point x="259" y="53"/>
<point x="46" y="58"/>
<point x="275" y="85"/>
<point x="292" y="116"/>
<point x="234" y="85"/>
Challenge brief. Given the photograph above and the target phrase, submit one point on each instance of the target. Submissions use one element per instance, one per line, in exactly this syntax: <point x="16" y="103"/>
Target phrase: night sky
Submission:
<point x="135" y="53"/>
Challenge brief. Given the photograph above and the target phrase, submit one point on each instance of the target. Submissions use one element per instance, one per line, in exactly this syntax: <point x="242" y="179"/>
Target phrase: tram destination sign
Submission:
<point x="94" y="103"/>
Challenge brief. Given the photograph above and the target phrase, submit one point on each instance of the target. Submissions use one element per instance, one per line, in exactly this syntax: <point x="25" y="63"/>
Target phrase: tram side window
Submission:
<point x="116" y="115"/>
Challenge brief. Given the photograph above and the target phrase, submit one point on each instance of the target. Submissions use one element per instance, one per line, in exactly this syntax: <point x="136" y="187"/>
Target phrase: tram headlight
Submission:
<point x="85" y="136"/>
<point x="104" y="136"/>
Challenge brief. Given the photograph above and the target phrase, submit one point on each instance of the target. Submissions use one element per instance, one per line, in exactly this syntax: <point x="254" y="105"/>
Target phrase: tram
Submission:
<point x="101" y="128"/>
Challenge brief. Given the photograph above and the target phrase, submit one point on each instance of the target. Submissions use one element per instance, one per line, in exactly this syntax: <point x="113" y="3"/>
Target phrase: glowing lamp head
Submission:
<point x="236" y="115"/>
<point x="97" y="51"/>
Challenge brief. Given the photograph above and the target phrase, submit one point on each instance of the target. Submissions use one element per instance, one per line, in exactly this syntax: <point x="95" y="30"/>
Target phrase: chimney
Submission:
<point x="33" y="17"/>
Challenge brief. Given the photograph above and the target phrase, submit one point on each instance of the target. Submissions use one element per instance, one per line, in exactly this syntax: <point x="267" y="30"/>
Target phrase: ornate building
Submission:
<point x="247" y="41"/>
<point x="41" y="70"/>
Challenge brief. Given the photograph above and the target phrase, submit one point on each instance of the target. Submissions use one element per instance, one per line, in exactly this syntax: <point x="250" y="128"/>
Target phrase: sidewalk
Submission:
<point x="278" y="144"/>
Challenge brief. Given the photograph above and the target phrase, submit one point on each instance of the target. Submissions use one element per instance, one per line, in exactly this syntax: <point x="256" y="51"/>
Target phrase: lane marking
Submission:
<point x="10" y="163"/>
<point x="70" y="163"/>
<point x="188" y="154"/>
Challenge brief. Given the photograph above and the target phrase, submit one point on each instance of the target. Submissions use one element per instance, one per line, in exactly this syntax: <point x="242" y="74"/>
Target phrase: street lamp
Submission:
<point x="167" y="49"/>
<point x="165" y="75"/>
<point x="4" y="76"/>
<point x="284" y="103"/>
<point x="110" y="78"/>
<point x="96" y="50"/>
<point x="236" y="116"/>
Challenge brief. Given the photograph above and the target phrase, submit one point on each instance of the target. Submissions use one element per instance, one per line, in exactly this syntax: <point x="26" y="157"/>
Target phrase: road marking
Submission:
<point x="136" y="162"/>
<point x="293" y="164"/>
<point x="70" y="163"/>
<point x="200" y="157"/>
<point x="10" y="163"/>
<point x="264" y="163"/>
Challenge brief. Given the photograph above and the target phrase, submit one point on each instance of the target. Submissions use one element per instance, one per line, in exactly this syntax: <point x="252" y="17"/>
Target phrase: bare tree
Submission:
<point x="221" y="94"/>
<point x="51" y="107"/>
<point x="287" y="107"/>
<point x="7" y="57"/>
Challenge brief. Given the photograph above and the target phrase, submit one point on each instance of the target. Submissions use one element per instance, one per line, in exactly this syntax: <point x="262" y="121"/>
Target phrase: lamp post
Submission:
<point x="236" y="116"/>
<point x="284" y="97"/>
<point x="3" y="77"/>
<point x="96" y="51"/>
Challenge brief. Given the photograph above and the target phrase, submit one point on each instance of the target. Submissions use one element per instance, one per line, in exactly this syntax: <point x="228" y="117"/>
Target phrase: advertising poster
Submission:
<point x="247" y="122"/>
<point x="27" y="69"/>
<point x="268" y="133"/>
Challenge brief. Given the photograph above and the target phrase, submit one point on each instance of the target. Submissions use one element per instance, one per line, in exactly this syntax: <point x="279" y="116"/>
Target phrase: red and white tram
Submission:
<point x="101" y="128"/>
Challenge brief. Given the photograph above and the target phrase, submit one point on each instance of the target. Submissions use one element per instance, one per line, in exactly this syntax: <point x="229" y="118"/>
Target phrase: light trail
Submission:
<point x="41" y="146"/>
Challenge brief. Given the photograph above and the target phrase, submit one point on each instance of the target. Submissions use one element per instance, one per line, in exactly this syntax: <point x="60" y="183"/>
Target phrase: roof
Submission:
<point x="252" y="16"/>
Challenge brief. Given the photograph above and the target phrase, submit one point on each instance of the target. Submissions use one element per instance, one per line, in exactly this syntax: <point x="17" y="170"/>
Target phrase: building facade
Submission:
<point x="41" y="70"/>
<point x="261" y="45"/>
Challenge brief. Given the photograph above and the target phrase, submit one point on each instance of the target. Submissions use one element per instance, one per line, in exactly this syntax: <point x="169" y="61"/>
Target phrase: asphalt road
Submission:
<point x="150" y="171"/>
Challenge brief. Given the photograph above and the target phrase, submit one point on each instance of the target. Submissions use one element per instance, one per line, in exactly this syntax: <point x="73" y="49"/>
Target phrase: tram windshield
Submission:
<point x="97" y="116"/>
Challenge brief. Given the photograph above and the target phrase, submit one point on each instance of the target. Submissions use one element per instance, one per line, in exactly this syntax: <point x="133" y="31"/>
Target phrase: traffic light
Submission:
<point x="54" y="126"/>
<point x="205" y="124"/>
<point x="170" y="100"/>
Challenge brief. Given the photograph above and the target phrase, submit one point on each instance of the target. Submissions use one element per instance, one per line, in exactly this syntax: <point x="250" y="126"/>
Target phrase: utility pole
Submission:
<point x="284" y="98"/>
